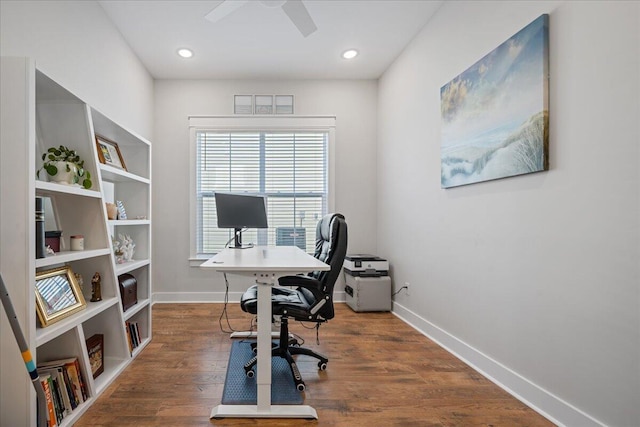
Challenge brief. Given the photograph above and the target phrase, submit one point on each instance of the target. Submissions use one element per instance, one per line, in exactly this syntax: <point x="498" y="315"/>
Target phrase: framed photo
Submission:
<point x="109" y="153"/>
<point x="95" y="348"/>
<point x="57" y="295"/>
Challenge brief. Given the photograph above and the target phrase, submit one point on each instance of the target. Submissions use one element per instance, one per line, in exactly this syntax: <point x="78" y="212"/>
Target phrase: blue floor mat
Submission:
<point x="240" y="390"/>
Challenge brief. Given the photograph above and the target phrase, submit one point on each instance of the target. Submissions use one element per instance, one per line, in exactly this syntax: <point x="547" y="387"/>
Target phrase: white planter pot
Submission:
<point x="64" y="177"/>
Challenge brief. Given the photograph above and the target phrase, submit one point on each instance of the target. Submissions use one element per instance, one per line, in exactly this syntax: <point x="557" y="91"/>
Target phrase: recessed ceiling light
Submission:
<point x="185" y="53"/>
<point x="349" y="54"/>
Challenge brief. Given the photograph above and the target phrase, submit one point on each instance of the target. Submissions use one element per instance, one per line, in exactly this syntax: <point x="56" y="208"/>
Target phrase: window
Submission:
<point x="289" y="166"/>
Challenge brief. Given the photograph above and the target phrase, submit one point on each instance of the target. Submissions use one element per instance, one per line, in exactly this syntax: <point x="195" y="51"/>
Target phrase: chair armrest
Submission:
<point x="303" y="282"/>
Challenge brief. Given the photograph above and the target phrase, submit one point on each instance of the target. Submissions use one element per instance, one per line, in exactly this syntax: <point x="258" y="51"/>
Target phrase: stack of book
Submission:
<point x="133" y="335"/>
<point x="64" y="387"/>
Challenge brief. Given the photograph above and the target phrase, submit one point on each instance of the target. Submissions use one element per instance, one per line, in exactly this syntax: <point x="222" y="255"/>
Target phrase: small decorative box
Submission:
<point x="128" y="290"/>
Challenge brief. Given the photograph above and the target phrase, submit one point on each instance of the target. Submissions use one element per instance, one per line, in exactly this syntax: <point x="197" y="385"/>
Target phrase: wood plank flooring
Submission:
<point x="381" y="372"/>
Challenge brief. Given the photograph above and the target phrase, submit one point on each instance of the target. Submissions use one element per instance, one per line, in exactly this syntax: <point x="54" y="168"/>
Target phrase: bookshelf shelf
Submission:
<point x="45" y="188"/>
<point x="125" y="222"/>
<point x="131" y="265"/>
<point x="141" y="305"/>
<point x="113" y="174"/>
<point x="69" y="256"/>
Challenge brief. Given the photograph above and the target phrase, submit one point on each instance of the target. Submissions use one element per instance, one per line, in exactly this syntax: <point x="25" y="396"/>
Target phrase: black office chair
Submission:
<point x="310" y="301"/>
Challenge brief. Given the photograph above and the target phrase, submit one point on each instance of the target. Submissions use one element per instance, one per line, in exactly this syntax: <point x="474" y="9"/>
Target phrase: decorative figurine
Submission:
<point x="127" y="247"/>
<point x="96" y="293"/>
<point x="123" y="249"/>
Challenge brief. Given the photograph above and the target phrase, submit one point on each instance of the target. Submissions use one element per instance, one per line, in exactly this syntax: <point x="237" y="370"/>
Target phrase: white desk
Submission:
<point x="265" y="265"/>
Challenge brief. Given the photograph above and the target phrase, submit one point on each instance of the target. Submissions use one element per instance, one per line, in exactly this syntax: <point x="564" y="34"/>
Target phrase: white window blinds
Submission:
<point x="289" y="167"/>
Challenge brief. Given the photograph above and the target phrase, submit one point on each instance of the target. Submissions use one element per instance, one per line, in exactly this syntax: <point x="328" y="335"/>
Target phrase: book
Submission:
<point x="137" y="332"/>
<point x="75" y="382"/>
<point x="77" y="385"/>
<point x="57" y="400"/>
<point x="128" y="331"/>
<point x="51" y="415"/>
<point x="83" y="384"/>
<point x="61" y="388"/>
<point x="65" y="389"/>
<point x="69" y="387"/>
<point x="133" y="334"/>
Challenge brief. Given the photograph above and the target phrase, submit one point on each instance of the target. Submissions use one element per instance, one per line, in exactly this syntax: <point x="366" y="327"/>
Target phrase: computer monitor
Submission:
<point x="239" y="211"/>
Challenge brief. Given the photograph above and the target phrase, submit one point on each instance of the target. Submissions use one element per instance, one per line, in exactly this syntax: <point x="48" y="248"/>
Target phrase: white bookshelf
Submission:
<point x="36" y="114"/>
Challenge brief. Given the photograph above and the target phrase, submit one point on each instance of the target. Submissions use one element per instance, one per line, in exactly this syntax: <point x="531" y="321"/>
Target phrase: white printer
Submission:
<point x="365" y="265"/>
<point x="367" y="283"/>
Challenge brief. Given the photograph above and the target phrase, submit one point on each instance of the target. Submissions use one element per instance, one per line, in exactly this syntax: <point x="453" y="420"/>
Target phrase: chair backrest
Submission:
<point x="331" y="248"/>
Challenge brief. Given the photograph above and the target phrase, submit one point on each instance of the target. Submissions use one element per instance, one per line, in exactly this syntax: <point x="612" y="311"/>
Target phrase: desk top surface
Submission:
<point x="265" y="258"/>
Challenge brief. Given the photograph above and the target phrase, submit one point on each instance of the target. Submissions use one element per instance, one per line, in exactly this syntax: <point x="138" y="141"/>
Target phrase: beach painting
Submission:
<point x="495" y="115"/>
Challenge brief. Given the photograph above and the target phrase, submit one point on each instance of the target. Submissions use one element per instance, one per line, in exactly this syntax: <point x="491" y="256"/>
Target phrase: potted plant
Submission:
<point x="65" y="166"/>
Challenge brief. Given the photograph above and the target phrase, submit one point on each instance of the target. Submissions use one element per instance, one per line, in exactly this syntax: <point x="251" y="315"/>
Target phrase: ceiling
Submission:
<point x="259" y="42"/>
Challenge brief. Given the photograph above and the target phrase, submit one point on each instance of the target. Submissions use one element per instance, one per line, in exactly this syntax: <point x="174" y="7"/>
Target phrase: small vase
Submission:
<point x="112" y="211"/>
<point x="64" y="177"/>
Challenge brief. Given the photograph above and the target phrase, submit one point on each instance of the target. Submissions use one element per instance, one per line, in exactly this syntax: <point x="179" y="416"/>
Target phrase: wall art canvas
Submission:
<point x="495" y="115"/>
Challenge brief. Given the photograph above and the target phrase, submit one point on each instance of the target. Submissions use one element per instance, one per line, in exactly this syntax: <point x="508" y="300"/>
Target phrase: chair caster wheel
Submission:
<point x="251" y="374"/>
<point x="300" y="387"/>
<point x="322" y="366"/>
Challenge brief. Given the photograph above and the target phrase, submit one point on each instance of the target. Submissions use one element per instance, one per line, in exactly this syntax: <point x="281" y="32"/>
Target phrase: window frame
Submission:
<point x="258" y="124"/>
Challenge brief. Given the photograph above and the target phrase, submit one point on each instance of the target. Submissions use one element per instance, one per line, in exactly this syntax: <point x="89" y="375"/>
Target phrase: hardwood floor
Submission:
<point x="381" y="372"/>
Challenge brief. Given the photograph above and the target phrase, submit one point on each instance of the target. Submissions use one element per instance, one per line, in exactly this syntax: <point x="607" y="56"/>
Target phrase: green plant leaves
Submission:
<point x="51" y="169"/>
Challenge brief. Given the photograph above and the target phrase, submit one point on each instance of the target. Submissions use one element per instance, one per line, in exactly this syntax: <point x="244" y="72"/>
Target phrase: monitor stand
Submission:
<point x="238" y="240"/>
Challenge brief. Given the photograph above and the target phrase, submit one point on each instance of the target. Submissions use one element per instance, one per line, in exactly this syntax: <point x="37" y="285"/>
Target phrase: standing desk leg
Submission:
<point x="264" y="408"/>
<point x="264" y="347"/>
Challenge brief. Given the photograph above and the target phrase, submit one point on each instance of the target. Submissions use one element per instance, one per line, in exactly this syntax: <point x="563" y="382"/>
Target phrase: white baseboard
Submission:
<point x="540" y="400"/>
<point x="218" y="297"/>
<point x="194" y="297"/>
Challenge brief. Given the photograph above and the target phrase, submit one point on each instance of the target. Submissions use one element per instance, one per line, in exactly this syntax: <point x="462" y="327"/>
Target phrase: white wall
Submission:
<point x="534" y="279"/>
<point x="75" y="44"/>
<point x="353" y="102"/>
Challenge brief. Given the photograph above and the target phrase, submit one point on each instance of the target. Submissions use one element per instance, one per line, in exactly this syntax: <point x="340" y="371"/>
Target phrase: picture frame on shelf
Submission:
<point x="58" y="295"/>
<point x="95" y="349"/>
<point x="109" y="153"/>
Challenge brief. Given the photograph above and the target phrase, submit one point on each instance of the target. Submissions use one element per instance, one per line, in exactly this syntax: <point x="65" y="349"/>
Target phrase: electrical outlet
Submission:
<point x="406" y="288"/>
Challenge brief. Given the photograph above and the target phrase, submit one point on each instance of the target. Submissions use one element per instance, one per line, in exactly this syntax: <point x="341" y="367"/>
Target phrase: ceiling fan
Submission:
<point x="295" y="10"/>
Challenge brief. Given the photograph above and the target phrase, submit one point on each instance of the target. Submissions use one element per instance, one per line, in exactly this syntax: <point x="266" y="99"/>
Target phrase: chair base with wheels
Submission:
<point x="286" y="349"/>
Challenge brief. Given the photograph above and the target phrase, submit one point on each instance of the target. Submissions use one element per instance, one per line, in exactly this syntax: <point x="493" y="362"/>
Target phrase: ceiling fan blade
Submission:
<point x="297" y="12"/>
<point x="224" y="8"/>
